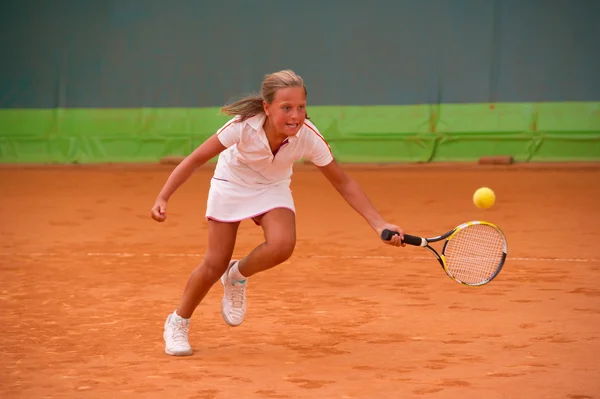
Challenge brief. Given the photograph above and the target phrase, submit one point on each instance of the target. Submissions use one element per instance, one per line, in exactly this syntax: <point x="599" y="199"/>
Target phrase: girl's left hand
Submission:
<point x="159" y="210"/>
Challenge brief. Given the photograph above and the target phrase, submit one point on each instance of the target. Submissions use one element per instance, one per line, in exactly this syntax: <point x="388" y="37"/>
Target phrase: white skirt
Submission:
<point x="229" y="202"/>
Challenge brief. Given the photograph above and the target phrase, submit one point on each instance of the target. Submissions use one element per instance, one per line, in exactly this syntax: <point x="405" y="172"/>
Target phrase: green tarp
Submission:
<point x="420" y="133"/>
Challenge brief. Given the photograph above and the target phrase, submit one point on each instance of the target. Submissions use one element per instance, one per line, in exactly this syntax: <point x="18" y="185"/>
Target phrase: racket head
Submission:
<point x="475" y="253"/>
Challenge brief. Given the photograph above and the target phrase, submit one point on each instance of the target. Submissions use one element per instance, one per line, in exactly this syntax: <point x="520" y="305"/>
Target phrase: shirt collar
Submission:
<point x="256" y="121"/>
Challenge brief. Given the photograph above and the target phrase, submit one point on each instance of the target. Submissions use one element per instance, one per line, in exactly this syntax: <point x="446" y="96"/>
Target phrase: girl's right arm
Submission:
<point x="204" y="153"/>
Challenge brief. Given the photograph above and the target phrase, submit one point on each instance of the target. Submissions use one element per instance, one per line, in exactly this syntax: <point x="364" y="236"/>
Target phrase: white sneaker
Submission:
<point x="176" y="337"/>
<point x="233" y="305"/>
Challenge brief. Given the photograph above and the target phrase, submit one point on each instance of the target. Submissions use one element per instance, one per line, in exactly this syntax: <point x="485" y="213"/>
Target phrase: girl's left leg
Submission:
<point x="279" y="226"/>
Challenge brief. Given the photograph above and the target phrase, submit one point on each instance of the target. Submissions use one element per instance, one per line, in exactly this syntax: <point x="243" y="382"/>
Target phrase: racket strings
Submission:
<point x="475" y="253"/>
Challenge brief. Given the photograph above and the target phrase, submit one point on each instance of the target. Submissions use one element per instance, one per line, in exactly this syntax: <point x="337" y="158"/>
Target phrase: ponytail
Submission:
<point x="246" y="108"/>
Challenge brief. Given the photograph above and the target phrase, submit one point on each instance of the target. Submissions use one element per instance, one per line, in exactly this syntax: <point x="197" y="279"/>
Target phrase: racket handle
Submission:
<point x="408" y="239"/>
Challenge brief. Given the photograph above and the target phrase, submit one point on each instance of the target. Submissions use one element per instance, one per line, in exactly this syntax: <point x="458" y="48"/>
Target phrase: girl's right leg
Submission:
<point x="221" y="242"/>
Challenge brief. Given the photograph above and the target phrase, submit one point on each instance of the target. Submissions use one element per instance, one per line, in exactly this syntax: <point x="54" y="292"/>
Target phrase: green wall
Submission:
<point x="388" y="80"/>
<point x="419" y="133"/>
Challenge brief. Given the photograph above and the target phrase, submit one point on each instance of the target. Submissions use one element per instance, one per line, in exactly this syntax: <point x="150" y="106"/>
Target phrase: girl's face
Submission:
<point x="287" y="112"/>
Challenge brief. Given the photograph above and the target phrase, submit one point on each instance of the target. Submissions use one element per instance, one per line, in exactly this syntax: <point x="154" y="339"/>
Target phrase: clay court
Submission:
<point x="87" y="279"/>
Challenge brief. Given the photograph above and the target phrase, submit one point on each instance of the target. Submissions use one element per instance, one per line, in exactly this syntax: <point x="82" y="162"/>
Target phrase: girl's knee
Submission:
<point x="282" y="248"/>
<point x="214" y="267"/>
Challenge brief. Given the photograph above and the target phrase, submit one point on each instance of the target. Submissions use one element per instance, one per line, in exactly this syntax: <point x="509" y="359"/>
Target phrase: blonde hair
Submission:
<point x="252" y="105"/>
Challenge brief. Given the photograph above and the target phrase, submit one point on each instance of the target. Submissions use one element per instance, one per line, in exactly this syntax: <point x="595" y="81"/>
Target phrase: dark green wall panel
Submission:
<point x="195" y="53"/>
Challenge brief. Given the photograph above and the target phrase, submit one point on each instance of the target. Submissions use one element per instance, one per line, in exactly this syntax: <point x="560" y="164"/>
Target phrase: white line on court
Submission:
<point x="196" y="255"/>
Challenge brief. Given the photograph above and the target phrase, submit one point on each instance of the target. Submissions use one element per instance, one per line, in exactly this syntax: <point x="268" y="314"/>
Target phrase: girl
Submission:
<point x="256" y="149"/>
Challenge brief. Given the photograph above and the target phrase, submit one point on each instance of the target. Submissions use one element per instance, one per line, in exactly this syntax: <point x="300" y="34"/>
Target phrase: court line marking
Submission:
<point x="196" y="255"/>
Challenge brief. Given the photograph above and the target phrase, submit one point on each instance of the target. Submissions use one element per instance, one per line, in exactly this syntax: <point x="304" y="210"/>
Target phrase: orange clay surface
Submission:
<point x="87" y="280"/>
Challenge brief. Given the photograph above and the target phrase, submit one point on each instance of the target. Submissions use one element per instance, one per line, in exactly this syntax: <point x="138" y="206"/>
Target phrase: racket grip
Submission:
<point x="408" y="239"/>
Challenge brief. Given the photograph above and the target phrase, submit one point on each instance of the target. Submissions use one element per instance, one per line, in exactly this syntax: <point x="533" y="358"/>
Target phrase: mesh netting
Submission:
<point x="474" y="254"/>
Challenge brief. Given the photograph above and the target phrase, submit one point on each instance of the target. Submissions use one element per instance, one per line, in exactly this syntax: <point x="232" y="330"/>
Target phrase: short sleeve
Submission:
<point x="230" y="133"/>
<point x="320" y="154"/>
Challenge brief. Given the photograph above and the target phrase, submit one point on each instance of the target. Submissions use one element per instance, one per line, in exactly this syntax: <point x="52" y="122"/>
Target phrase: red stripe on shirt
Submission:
<point x="319" y="135"/>
<point x="225" y="127"/>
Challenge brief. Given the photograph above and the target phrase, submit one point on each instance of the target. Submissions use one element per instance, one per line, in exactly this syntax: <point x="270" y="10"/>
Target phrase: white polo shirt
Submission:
<point x="248" y="160"/>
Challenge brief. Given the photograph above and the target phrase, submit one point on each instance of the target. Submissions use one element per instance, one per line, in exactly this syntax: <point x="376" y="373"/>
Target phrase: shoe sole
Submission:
<point x="168" y="352"/>
<point x="227" y="322"/>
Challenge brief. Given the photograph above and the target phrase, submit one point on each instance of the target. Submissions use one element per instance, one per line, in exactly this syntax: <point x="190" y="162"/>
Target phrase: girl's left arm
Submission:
<point x="355" y="196"/>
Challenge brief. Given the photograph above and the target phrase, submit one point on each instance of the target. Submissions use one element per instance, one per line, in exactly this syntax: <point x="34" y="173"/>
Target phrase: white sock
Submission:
<point x="235" y="275"/>
<point x="177" y="317"/>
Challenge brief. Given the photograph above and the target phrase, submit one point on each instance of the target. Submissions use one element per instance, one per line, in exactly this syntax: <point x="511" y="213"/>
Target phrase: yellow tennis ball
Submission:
<point x="484" y="198"/>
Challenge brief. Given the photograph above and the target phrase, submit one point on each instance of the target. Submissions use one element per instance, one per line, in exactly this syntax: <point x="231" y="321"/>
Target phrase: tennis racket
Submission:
<point x="473" y="253"/>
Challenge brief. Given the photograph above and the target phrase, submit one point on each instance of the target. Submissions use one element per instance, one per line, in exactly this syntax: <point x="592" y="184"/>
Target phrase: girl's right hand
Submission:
<point x="159" y="210"/>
